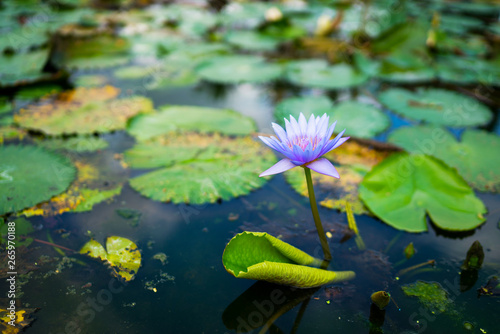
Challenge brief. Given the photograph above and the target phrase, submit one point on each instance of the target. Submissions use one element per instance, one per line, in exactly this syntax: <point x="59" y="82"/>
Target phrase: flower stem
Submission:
<point x="317" y="220"/>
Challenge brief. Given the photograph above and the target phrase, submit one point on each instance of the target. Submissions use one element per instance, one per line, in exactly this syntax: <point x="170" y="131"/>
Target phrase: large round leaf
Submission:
<point x="402" y="189"/>
<point x="30" y="175"/>
<point x="200" y="119"/>
<point x="436" y="106"/>
<point x="83" y="111"/>
<point x="317" y="73"/>
<point x="236" y="69"/>
<point x="260" y="256"/>
<point x="476" y="157"/>
<point x="198" y="168"/>
<point x="359" y="119"/>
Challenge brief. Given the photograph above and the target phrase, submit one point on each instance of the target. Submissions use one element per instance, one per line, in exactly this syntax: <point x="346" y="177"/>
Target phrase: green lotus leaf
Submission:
<point x="436" y="106"/>
<point x="251" y="40"/>
<point x="82" y="111"/>
<point x="96" y="52"/>
<point x="359" y="119"/>
<point x="75" y="144"/>
<point x="190" y="118"/>
<point x="431" y="294"/>
<point x="308" y="105"/>
<point x="191" y="21"/>
<point x="238" y="69"/>
<point x="198" y="168"/>
<point x="260" y="256"/>
<point x="95" y="196"/>
<point x="5" y="106"/>
<point x="23" y="228"/>
<point x="122" y="255"/>
<point x="317" y="73"/>
<point x="30" y="175"/>
<point x="36" y="92"/>
<point x="403" y="188"/>
<point x="475" y="156"/>
<point x="23" y="68"/>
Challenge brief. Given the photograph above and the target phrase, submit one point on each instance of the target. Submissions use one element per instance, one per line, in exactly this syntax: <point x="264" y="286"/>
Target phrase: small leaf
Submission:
<point x="409" y="250"/>
<point x="122" y="255"/>
<point x="260" y="256"/>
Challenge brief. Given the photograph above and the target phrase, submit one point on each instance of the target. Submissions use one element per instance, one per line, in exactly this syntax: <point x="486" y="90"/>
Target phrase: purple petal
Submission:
<point x="289" y="130"/>
<point x="295" y="127"/>
<point x="279" y="167"/>
<point x="302" y="124"/>
<point x="340" y="142"/>
<point x="280" y="133"/>
<point x="270" y="143"/>
<point x="323" y="166"/>
<point x="311" y="127"/>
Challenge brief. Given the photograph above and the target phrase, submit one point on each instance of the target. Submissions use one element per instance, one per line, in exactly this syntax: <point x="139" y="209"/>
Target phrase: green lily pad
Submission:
<point x="91" y="186"/>
<point x="34" y="93"/>
<point x="122" y="255"/>
<point x="431" y="294"/>
<point x="402" y="189"/>
<point x="437" y="106"/>
<point x="317" y="73"/>
<point x="308" y="105"/>
<point x="5" y="106"/>
<point x="359" y="119"/>
<point x="198" y="168"/>
<point x="23" y="68"/>
<point x="237" y="69"/>
<point x="82" y="111"/>
<point x="251" y="40"/>
<point x="475" y="157"/>
<point x="260" y="256"/>
<point x="188" y="118"/>
<point x="91" y="80"/>
<point x="30" y="175"/>
<point x="75" y="144"/>
<point x="9" y="132"/>
<point x="97" y="52"/>
<point x="23" y="228"/>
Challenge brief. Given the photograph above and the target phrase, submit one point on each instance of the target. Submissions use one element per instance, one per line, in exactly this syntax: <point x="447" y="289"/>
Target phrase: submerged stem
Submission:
<point x="317" y="220"/>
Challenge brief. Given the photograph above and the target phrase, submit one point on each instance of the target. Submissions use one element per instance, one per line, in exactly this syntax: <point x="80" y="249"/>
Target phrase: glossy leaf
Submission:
<point x="260" y="256"/>
<point x="404" y="188"/>
<point x="190" y="118"/>
<point x="436" y="106"/>
<point x="30" y="175"/>
<point x="475" y="156"/>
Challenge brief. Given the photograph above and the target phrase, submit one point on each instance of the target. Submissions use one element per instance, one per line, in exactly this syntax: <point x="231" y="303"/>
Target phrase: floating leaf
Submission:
<point x="18" y="69"/>
<point x="237" y="69"/>
<point x="122" y="255"/>
<point x="23" y="319"/>
<point x="75" y="144"/>
<point x="10" y="132"/>
<point x="360" y="153"/>
<point x="205" y="120"/>
<point x="436" y="106"/>
<point x="251" y="40"/>
<point x="23" y="228"/>
<point x="317" y="73"/>
<point x="198" y="168"/>
<point x="359" y="119"/>
<point x="330" y="192"/>
<point x="83" y="111"/>
<point x="409" y="250"/>
<point x="402" y="189"/>
<point x="475" y="156"/>
<point x="90" y="187"/>
<point x="95" y="52"/>
<point x="431" y="294"/>
<point x="260" y="256"/>
<point x="29" y="175"/>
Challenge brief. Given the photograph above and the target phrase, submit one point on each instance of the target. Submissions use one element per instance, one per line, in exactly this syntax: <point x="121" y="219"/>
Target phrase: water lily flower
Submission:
<point x="303" y="143"/>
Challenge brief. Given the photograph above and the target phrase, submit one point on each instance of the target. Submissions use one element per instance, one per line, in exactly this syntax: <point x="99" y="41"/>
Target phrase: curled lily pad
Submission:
<point x="437" y="106"/>
<point x="83" y="111"/>
<point x="189" y="118"/>
<point x="237" y="69"/>
<point x="260" y="256"/>
<point x="122" y="255"/>
<point x="404" y="188"/>
<point x="475" y="156"/>
<point x="30" y="175"/>
<point x="317" y="73"/>
<point x="198" y="168"/>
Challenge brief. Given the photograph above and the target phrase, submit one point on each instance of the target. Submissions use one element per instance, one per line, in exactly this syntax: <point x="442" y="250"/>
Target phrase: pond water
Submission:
<point x="191" y="292"/>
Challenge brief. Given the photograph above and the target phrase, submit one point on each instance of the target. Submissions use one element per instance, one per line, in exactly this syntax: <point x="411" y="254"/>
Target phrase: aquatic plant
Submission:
<point x="303" y="143"/>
